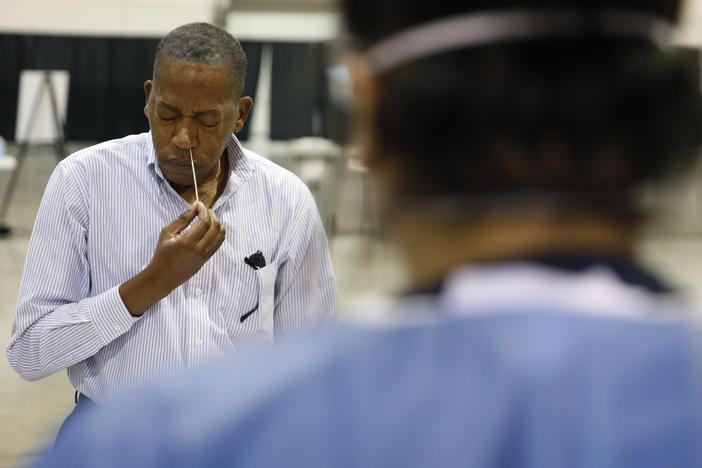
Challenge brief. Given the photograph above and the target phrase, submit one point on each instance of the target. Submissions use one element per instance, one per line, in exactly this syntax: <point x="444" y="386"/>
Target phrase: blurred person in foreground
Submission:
<point x="128" y="277"/>
<point x="506" y="140"/>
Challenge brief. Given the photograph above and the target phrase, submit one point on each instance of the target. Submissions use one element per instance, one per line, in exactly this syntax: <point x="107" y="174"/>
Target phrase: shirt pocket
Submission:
<point x="252" y="321"/>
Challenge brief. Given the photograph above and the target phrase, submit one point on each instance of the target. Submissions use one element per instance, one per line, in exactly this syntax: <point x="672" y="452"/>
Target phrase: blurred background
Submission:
<point x="99" y="53"/>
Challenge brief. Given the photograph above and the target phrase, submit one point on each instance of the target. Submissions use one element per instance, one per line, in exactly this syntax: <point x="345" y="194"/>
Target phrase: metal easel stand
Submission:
<point x="59" y="145"/>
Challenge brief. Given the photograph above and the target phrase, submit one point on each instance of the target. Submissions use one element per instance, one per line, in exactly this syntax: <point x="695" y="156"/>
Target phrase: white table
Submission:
<point x="7" y="162"/>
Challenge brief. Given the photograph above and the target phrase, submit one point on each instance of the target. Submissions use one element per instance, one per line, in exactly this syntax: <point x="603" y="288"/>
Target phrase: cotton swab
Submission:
<point x="192" y="164"/>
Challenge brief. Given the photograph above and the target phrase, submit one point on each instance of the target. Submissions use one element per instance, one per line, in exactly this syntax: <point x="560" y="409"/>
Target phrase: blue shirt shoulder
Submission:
<point x="500" y="390"/>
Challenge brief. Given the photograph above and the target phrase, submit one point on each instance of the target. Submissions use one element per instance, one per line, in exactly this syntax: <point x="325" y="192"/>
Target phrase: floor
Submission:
<point x="31" y="411"/>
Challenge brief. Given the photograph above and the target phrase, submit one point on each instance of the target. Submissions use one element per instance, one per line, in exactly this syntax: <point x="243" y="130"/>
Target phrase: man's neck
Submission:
<point x="433" y="249"/>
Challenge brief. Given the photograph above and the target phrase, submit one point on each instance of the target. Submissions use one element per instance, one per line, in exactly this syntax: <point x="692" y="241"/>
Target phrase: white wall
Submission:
<point x="153" y="18"/>
<point x="283" y="26"/>
<point x="690" y="31"/>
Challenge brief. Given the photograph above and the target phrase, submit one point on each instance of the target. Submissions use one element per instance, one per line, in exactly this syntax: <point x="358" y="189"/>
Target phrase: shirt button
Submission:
<point x="198" y="341"/>
<point x="198" y="291"/>
<point x="116" y="327"/>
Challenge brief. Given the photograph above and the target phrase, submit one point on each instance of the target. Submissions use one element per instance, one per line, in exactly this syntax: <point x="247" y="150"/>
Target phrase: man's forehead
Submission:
<point x="178" y="72"/>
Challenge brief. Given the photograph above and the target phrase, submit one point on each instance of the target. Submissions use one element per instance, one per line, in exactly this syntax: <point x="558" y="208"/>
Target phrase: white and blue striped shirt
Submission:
<point x="98" y="224"/>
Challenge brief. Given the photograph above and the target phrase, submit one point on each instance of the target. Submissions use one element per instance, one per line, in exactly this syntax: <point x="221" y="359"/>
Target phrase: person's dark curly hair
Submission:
<point x="581" y="114"/>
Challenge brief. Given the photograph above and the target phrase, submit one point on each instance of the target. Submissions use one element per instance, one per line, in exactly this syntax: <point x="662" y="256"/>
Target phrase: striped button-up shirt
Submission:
<point x="97" y="226"/>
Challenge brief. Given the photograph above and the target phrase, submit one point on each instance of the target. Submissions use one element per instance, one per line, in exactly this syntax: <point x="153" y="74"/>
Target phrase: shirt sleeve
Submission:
<point x="305" y="291"/>
<point x="58" y="323"/>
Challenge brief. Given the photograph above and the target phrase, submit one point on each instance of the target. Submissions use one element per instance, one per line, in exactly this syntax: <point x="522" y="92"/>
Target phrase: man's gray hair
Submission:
<point x="204" y="43"/>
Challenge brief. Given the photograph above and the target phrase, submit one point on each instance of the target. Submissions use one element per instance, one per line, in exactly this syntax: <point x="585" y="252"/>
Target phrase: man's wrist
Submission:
<point x="153" y="282"/>
<point x="142" y="291"/>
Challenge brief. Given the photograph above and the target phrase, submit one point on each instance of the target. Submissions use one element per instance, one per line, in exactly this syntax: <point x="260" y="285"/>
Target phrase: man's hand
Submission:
<point x="177" y="257"/>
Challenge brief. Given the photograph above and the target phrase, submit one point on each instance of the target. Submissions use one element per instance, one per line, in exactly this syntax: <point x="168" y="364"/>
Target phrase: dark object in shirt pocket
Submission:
<point x="248" y="314"/>
<point x="256" y="260"/>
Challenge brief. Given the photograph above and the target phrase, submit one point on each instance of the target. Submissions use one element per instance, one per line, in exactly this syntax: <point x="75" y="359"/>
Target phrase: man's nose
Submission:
<point x="185" y="136"/>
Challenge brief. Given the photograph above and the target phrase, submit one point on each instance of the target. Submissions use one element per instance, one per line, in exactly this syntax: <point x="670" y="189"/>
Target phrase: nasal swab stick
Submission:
<point x="192" y="164"/>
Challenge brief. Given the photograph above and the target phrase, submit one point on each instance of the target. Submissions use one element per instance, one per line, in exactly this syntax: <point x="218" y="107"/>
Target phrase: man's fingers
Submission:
<point x="214" y="217"/>
<point x="216" y="243"/>
<point x="202" y="212"/>
<point x="204" y="245"/>
<point x="181" y="222"/>
<point x="200" y="227"/>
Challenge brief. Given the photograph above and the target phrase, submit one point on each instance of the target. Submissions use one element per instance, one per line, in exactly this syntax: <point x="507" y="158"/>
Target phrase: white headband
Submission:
<point x="477" y="29"/>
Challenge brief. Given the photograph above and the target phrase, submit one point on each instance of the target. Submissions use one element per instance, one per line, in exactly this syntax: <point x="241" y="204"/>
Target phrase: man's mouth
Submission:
<point x="178" y="162"/>
<point x="177" y="167"/>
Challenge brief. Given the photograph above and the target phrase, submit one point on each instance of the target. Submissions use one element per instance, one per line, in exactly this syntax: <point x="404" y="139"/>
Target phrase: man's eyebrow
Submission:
<point x="175" y="109"/>
<point x="168" y="106"/>
<point x="208" y="111"/>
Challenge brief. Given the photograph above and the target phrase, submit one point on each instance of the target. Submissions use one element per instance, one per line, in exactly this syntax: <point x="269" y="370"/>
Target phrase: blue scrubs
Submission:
<point x="515" y="385"/>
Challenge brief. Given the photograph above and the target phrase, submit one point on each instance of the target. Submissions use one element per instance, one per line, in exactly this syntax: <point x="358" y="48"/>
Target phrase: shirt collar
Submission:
<point x="526" y="287"/>
<point x="625" y="270"/>
<point x="530" y="285"/>
<point x="241" y="167"/>
<point x="151" y="160"/>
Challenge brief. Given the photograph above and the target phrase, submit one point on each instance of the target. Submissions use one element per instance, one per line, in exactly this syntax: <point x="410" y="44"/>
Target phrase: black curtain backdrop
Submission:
<point x="106" y="94"/>
<point x="253" y="54"/>
<point x="298" y="91"/>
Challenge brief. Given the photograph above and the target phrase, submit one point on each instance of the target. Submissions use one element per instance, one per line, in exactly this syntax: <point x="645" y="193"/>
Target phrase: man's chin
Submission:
<point x="179" y="179"/>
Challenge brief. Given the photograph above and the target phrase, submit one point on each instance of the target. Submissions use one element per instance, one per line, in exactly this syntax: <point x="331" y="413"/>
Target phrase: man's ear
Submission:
<point x="245" y="106"/>
<point x="148" y="85"/>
